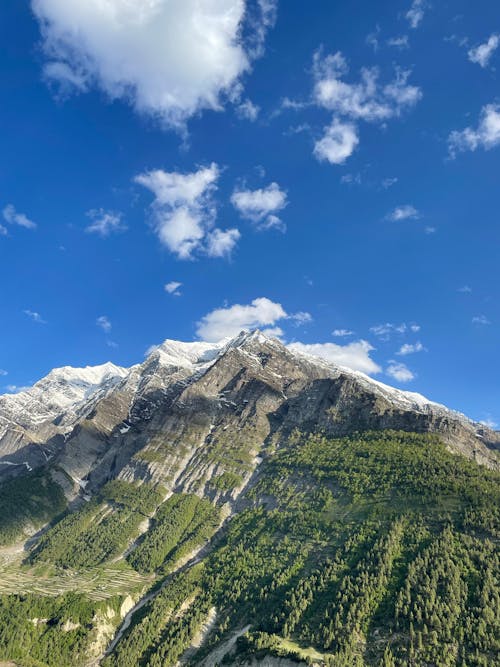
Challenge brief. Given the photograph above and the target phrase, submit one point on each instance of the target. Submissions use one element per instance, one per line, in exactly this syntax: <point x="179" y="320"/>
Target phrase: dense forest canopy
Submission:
<point x="376" y="549"/>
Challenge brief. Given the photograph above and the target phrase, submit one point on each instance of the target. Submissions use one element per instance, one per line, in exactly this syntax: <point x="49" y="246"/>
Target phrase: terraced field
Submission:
<point x="98" y="583"/>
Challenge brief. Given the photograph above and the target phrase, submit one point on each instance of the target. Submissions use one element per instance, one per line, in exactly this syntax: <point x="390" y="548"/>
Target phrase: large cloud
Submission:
<point x="184" y="212"/>
<point x="225" y="322"/>
<point x="169" y="58"/>
<point x="355" y="355"/>
<point x="365" y="100"/>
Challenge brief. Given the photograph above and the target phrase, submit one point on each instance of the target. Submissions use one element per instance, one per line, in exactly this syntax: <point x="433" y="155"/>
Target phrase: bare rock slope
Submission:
<point x="192" y="412"/>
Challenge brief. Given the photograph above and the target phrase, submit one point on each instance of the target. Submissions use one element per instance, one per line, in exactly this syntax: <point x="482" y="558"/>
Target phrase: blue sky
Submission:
<point x="319" y="171"/>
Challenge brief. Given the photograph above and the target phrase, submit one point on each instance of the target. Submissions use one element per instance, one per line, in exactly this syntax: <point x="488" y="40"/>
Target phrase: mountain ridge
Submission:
<point x="242" y="485"/>
<point x="37" y="423"/>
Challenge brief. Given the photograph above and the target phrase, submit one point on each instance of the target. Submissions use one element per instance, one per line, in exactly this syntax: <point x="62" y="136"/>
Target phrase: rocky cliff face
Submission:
<point x="200" y="417"/>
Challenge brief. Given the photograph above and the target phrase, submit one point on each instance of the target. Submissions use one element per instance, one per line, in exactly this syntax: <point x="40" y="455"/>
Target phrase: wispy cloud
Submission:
<point x="104" y="223"/>
<point x="16" y="389"/>
<point x="482" y="320"/>
<point x="389" y="182"/>
<point x="351" y="179"/>
<point x="365" y="100"/>
<point x="104" y="323"/>
<point x="415" y="14"/>
<point x="486" y="135"/>
<point x="489" y="422"/>
<point x="410" y="348"/>
<point x="482" y="54"/>
<point x="388" y="329"/>
<point x="248" y="110"/>
<point x="14" y="217"/>
<point x="34" y="316"/>
<point x="401" y="42"/>
<point x="173" y="288"/>
<point x="405" y="212"/>
<point x="342" y="333"/>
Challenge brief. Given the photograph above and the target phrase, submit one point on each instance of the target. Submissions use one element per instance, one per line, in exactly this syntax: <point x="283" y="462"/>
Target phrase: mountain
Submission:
<point x="90" y="420"/>
<point x="258" y="505"/>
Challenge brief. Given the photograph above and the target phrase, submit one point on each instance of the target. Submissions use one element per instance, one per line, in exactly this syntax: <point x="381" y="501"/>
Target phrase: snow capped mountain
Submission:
<point x="191" y="395"/>
<point x="62" y="390"/>
<point x="186" y="355"/>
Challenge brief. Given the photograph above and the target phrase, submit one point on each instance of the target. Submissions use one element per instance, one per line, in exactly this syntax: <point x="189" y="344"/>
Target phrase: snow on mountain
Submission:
<point x="186" y="355"/>
<point x="63" y="390"/>
<point x="57" y="402"/>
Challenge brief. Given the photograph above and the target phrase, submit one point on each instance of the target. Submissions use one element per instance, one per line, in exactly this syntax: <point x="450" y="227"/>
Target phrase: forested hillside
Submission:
<point x="376" y="549"/>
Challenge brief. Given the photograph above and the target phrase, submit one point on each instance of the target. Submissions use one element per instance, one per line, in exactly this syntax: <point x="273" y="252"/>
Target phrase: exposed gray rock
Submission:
<point x="193" y="412"/>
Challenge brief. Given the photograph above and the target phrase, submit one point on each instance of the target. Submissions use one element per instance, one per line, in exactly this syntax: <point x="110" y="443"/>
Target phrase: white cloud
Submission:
<point x="401" y="42"/>
<point x="3" y="372"/>
<point x="341" y="333"/>
<point x="274" y="332"/>
<point x="338" y="143"/>
<point x="482" y="54"/>
<point x="372" y="39"/>
<point x="416" y="13"/>
<point x="168" y="58"/>
<point x="248" y="110"/>
<point x="399" y="372"/>
<point x="68" y="80"/>
<point x="385" y="331"/>
<point x="355" y="355"/>
<point x="229" y="321"/>
<point x="481" y="319"/>
<point x="221" y="243"/>
<point x="184" y="212"/>
<point x="260" y="206"/>
<point x="410" y="348"/>
<point x="36" y="317"/>
<point x="389" y="182"/>
<point x="465" y="289"/>
<point x="351" y="178"/>
<point x="406" y="212"/>
<point x="3" y="231"/>
<point x="486" y="135"/>
<point x="103" y="323"/>
<point x="430" y="230"/>
<point x="301" y="317"/>
<point x="173" y="288"/>
<point x="13" y="217"/>
<point x="366" y="100"/>
<point x="15" y="389"/>
<point x="104" y="222"/>
<point x="489" y="423"/>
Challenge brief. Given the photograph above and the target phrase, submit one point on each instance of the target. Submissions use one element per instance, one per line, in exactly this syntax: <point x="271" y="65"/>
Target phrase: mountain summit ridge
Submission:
<point x="78" y="416"/>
